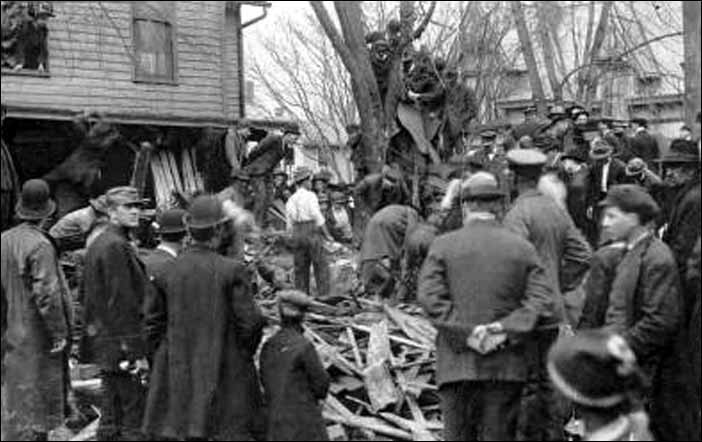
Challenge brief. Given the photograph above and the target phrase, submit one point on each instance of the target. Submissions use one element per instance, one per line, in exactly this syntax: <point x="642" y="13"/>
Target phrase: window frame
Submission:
<point x="26" y="72"/>
<point x="138" y="77"/>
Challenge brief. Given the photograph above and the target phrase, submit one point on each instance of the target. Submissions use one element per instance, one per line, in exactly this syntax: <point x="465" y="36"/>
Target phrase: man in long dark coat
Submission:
<point x="477" y="281"/>
<point x="171" y="230"/>
<point x="35" y="322"/>
<point x="204" y="382"/>
<point x="114" y="286"/>
<point x="565" y="254"/>
<point x="645" y="307"/>
<point x="293" y="377"/>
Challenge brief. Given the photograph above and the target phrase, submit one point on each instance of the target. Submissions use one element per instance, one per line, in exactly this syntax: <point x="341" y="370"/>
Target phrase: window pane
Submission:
<point x="154" y="51"/>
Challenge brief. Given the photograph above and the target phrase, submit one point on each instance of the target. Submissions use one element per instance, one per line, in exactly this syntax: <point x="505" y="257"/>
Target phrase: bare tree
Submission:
<point x="377" y="113"/>
<point x="537" y="89"/>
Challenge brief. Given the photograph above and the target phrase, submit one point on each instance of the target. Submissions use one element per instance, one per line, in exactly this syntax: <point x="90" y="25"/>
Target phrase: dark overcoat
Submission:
<point x="294" y="381"/>
<point x="477" y="275"/>
<point x="35" y="313"/>
<point x="157" y="262"/>
<point x="562" y="248"/>
<point x="684" y="223"/>
<point x="645" y="146"/>
<point x="115" y="283"/>
<point x="646" y="308"/>
<point x="598" y="284"/>
<point x="204" y="382"/>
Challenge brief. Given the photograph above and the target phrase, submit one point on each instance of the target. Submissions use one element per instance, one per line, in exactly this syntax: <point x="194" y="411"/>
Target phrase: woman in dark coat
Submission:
<point x="293" y="377"/>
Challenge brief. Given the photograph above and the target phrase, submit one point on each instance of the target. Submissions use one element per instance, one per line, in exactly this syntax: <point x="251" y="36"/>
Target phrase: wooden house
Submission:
<point x="161" y="71"/>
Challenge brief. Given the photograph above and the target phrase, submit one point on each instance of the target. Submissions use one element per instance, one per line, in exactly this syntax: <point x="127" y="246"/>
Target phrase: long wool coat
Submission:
<point x="294" y="382"/>
<point x="35" y="312"/>
<point x="204" y="382"/>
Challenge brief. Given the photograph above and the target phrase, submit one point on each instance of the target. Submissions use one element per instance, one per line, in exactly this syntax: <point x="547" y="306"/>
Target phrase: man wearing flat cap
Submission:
<point x="485" y="289"/>
<point x="565" y="254"/>
<point x="307" y="224"/>
<point x="644" y="301"/>
<point x="72" y="231"/>
<point x="204" y="384"/>
<point x="293" y="377"/>
<point x="36" y="320"/>
<point x="642" y="143"/>
<point x="115" y="283"/>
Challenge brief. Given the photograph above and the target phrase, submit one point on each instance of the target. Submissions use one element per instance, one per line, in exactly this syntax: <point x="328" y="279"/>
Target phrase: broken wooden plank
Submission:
<point x="379" y="344"/>
<point x="380" y="386"/>
<point x="354" y="347"/>
<point x="418" y="431"/>
<point x="368" y="424"/>
<point x="416" y="328"/>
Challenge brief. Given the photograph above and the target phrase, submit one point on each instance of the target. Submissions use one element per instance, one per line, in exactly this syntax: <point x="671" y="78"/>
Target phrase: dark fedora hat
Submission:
<point x="205" y="212"/>
<point x="681" y="151"/>
<point x="35" y="202"/>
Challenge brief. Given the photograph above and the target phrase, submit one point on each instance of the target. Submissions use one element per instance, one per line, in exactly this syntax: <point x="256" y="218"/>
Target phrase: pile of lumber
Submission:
<point x="381" y="360"/>
<point x="169" y="178"/>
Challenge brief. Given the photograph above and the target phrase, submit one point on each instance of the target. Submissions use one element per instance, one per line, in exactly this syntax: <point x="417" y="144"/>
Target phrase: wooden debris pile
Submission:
<point x="382" y="363"/>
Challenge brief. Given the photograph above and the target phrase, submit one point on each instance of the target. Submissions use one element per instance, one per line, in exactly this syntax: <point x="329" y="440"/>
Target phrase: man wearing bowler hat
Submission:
<point x="170" y="227"/>
<point x="204" y="384"/>
<point x="35" y="321"/>
<point x="605" y="171"/>
<point x="565" y="254"/>
<point x="307" y="224"/>
<point x="115" y="283"/>
<point x="484" y="288"/>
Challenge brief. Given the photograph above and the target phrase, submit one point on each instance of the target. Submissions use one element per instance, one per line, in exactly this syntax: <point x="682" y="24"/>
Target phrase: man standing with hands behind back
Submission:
<point x="483" y="286"/>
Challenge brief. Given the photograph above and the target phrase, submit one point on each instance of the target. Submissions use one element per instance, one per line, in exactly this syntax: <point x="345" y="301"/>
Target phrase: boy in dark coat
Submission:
<point x="293" y="377"/>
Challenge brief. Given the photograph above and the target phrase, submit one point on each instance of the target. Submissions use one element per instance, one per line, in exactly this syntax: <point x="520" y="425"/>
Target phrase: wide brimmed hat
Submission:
<point x="681" y="151"/>
<point x="35" y="201"/>
<point x="123" y="195"/>
<point x="526" y="160"/>
<point x="481" y="186"/>
<point x="171" y="221"/>
<point x="302" y="174"/>
<point x="595" y="368"/>
<point x="600" y="149"/>
<point x="206" y="211"/>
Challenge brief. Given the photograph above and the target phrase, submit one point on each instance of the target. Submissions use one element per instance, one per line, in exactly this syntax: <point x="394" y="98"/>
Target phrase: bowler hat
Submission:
<point x="205" y="212"/>
<point x="681" y="151"/>
<point x="600" y="149"/>
<point x="302" y="174"/>
<point x="595" y="368"/>
<point x="293" y="303"/>
<point x="35" y="202"/>
<point x="171" y="221"/>
<point x="481" y="186"/>
<point x="123" y="195"/>
<point x="631" y="198"/>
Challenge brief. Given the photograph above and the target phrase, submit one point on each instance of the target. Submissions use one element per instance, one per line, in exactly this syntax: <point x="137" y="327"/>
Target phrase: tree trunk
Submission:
<point x="549" y="60"/>
<point x="691" y="27"/>
<point x="537" y="89"/>
<point x="594" y="51"/>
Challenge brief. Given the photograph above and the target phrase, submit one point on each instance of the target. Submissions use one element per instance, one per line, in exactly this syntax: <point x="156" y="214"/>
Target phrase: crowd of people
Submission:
<point x="495" y="257"/>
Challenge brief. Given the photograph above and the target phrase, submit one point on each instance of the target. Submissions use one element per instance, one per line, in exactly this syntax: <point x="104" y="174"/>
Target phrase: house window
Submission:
<point x="154" y="36"/>
<point x="25" y="36"/>
<point x="647" y="85"/>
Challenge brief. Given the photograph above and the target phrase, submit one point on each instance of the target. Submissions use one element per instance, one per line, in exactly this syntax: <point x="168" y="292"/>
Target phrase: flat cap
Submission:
<point x="118" y="196"/>
<point x="631" y="198"/>
<point x="481" y="186"/>
<point x="526" y="158"/>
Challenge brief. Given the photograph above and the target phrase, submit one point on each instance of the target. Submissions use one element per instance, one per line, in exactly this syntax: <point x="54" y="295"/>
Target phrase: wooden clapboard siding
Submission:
<point x="90" y="64"/>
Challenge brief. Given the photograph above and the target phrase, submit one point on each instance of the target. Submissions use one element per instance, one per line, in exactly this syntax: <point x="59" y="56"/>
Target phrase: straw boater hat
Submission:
<point x="35" y="202"/>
